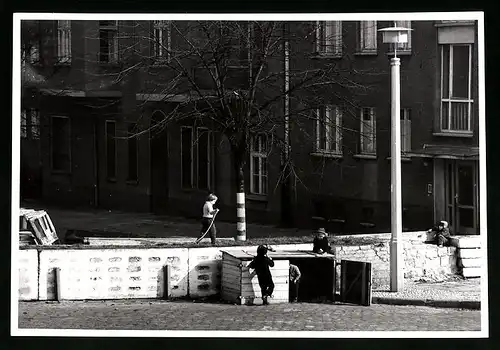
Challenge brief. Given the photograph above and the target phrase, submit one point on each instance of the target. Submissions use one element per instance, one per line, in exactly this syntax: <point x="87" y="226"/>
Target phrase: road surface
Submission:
<point x="189" y="315"/>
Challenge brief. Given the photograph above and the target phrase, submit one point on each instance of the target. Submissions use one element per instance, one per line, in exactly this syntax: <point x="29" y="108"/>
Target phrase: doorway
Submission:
<point x="462" y="196"/>
<point x="158" y="144"/>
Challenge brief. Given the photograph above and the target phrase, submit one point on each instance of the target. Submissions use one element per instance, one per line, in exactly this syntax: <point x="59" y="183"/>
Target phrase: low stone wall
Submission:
<point x="108" y="273"/>
<point x="421" y="260"/>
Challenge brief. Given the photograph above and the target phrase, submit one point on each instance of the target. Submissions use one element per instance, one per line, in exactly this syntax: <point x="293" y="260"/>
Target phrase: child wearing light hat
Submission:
<point x="441" y="233"/>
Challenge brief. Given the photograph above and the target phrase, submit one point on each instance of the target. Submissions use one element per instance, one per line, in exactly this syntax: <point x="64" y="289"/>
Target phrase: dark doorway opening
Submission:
<point x="317" y="281"/>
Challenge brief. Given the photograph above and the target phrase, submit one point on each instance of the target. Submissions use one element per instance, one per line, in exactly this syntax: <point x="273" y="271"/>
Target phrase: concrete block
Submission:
<point x="474" y="262"/>
<point x="431" y="252"/>
<point x="468" y="253"/>
<point x="113" y="273"/>
<point x="466" y="241"/>
<point x="469" y="272"/>
<point x="28" y="274"/>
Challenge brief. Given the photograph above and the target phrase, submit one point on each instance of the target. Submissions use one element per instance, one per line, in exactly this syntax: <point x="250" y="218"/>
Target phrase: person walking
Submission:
<point x="441" y="233"/>
<point x="207" y="223"/>
<point x="294" y="276"/>
<point x="261" y="264"/>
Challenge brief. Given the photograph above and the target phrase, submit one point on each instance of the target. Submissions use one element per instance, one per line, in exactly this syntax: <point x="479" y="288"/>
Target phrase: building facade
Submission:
<point x="92" y="112"/>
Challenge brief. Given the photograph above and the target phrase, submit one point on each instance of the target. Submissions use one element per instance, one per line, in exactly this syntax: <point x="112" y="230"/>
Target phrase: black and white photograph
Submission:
<point x="249" y="175"/>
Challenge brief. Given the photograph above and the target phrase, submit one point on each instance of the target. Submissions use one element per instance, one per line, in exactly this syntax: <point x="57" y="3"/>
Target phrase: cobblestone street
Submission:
<point x="185" y="315"/>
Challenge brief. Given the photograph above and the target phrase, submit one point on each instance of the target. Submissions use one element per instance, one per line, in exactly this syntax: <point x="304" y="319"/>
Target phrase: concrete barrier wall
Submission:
<point x="195" y="272"/>
<point x="112" y="273"/>
<point x="28" y="275"/>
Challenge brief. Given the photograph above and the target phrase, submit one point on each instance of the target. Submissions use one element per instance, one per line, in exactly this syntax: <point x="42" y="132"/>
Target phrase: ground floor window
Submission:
<point x="258" y="165"/>
<point x="196" y="157"/>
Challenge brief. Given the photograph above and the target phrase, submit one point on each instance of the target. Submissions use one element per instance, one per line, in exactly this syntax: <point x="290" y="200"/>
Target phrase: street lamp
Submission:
<point x="395" y="35"/>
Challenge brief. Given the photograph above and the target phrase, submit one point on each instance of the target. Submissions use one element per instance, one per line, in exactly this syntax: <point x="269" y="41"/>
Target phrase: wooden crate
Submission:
<point x="240" y="284"/>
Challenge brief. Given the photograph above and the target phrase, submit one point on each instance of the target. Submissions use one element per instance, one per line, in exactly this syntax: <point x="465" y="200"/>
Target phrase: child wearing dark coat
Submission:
<point x="320" y="242"/>
<point x="441" y="233"/>
<point x="261" y="264"/>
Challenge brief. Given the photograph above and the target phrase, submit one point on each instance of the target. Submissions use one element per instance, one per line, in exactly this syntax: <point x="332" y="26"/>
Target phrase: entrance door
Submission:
<point x="159" y="166"/>
<point x="461" y="196"/>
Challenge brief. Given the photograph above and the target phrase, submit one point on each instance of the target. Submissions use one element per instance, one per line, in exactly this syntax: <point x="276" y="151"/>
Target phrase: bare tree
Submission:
<point x="252" y="82"/>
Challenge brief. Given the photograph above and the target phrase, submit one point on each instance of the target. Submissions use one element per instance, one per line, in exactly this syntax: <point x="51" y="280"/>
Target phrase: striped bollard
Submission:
<point x="241" y="234"/>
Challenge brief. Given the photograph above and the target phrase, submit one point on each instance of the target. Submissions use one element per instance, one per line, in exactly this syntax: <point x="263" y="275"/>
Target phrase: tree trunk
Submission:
<point x="239" y="164"/>
<point x="286" y="199"/>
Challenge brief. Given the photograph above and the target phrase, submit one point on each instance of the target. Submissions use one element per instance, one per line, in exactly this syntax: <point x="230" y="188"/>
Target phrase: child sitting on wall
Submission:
<point x="441" y="233"/>
<point x="320" y="242"/>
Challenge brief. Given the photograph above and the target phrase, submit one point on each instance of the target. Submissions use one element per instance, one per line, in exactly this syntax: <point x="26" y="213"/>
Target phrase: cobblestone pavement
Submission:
<point x="184" y="315"/>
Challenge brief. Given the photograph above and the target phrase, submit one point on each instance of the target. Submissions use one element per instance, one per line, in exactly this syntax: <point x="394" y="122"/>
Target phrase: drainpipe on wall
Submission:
<point x="95" y="157"/>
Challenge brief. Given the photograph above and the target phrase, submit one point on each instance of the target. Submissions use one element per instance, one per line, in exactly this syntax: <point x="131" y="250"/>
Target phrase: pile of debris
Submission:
<point x="35" y="227"/>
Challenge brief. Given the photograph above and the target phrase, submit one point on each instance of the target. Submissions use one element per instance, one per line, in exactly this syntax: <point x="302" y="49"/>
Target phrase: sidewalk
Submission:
<point x="145" y="228"/>
<point x="103" y="223"/>
<point x="456" y="293"/>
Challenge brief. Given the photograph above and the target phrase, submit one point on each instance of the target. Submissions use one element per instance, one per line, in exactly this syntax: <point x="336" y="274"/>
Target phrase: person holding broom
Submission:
<point x="209" y="212"/>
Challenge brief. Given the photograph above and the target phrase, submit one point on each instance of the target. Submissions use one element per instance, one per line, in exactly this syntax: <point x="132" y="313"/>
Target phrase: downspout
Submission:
<point x="96" y="162"/>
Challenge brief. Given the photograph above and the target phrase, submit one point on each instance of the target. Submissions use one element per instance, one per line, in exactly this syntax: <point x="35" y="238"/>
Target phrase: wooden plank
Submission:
<point x="278" y="265"/>
<point x="228" y="281"/>
<point x="277" y="294"/>
<point x="232" y="290"/>
<point x="229" y="258"/>
<point x="230" y="295"/>
<point x="230" y="270"/>
<point x="247" y="288"/>
<point x="258" y="301"/>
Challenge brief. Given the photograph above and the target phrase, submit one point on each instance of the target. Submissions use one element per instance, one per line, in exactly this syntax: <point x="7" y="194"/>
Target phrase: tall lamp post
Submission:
<point x="395" y="35"/>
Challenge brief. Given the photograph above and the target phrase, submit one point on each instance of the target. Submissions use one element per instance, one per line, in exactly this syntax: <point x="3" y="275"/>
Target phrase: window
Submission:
<point x="162" y="40"/>
<point x="456" y="101"/>
<point x="329" y="37"/>
<point x="367" y="37"/>
<point x="61" y="144"/>
<point x="30" y="124"/>
<point x="196" y="149"/>
<point x="187" y="157"/>
<point x="64" y="41"/>
<point x="111" y="149"/>
<point x="258" y="165"/>
<point x="368" y="135"/>
<point x="108" y="41"/>
<point x="30" y="53"/>
<point x="404" y="46"/>
<point x="329" y="130"/>
<point x="203" y="156"/>
<point x="405" y="116"/>
<point x="132" y="173"/>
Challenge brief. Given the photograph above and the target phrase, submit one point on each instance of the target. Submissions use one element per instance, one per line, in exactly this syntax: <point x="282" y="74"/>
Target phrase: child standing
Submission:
<point x="441" y="233"/>
<point x="294" y="282"/>
<point x="261" y="264"/>
<point x="208" y="216"/>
